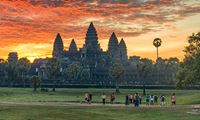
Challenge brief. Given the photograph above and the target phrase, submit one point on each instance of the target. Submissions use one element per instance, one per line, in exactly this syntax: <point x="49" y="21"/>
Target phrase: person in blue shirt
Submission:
<point x="147" y="99"/>
<point x="126" y="100"/>
<point x="137" y="100"/>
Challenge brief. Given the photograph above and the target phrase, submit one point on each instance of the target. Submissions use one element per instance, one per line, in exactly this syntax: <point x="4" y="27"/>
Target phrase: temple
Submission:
<point x="96" y="63"/>
<point x="92" y="57"/>
<point x="91" y="52"/>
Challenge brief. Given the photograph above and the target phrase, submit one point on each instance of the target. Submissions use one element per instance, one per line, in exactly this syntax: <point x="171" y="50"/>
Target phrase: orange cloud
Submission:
<point x="24" y="25"/>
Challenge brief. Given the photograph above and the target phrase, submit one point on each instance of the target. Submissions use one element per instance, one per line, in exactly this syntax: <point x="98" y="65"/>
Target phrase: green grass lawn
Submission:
<point x="95" y="113"/>
<point x="22" y="104"/>
<point x="184" y="97"/>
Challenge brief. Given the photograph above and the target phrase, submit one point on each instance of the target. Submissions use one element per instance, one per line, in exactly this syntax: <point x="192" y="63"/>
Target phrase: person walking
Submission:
<point x="162" y="100"/>
<point x="112" y="98"/>
<point x="87" y="97"/>
<point x="134" y="98"/>
<point x="90" y="98"/>
<point x="173" y="99"/>
<point x="137" y="100"/>
<point x="126" y="100"/>
<point x="103" y="96"/>
<point x="140" y="100"/>
<point x="131" y="98"/>
<point x="147" y="99"/>
<point x="155" y="99"/>
<point x="151" y="100"/>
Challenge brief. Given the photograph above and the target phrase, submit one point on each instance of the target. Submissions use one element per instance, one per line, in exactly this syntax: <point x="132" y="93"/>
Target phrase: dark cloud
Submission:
<point x="44" y="3"/>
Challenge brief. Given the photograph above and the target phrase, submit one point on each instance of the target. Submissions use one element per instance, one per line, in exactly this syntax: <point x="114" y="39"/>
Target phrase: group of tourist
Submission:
<point x="88" y="98"/>
<point x="112" y="98"/>
<point x="153" y="99"/>
<point x="134" y="99"/>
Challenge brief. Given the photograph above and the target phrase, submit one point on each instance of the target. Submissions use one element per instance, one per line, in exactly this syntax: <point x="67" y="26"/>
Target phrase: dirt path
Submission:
<point x="79" y="104"/>
<point x="58" y="104"/>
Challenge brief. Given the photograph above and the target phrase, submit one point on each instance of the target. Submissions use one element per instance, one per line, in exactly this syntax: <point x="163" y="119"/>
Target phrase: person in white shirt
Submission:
<point x="103" y="96"/>
<point x="151" y="99"/>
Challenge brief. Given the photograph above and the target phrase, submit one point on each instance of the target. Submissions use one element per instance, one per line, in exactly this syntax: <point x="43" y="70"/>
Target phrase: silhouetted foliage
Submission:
<point x="36" y="82"/>
<point x="116" y="71"/>
<point x="53" y="70"/>
<point x="74" y="71"/>
<point x="2" y="71"/>
<point x="23" y="66"/>
<point x="12" y="75"/>
<point x="189" y="70"/>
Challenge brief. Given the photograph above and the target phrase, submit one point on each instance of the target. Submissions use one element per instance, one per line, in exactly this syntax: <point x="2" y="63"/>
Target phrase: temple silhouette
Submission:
<point x="91" y="52"/>
<point x="91" y="56"/>
<point x="95" y="65"/>
<point x="97" y="62"/>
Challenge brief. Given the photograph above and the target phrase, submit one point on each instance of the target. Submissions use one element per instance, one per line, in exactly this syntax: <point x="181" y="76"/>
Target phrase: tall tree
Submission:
<point x="73" y="71"/>
<point x="171" y="70"/>
<point x="189" y="70"/>
<point x="11" y="69"/>
<point x="157" y="43"/>
<point x="36" y="82"/>
<point x="23" y="66"/>
<point x="144" y="68"/>
<point x="53" y="69"/>
<point x="116" y="71"/>
<point x="2" y="71"/>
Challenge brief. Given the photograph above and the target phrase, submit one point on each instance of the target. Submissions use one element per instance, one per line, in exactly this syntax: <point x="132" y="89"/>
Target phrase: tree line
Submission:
<point x="163" y="71"/>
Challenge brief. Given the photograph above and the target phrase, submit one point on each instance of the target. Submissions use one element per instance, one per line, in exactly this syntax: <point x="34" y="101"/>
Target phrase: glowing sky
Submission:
<point x="29" y="27"/>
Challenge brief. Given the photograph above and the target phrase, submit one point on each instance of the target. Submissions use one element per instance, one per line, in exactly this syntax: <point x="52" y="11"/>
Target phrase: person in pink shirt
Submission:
<point x="173" y="99"/>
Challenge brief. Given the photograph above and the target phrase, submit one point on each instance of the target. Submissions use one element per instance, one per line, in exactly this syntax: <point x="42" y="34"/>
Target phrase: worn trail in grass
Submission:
<point x="65" y="104"/>
<point x="35" y="112"/>
<point x="184" y="97"/>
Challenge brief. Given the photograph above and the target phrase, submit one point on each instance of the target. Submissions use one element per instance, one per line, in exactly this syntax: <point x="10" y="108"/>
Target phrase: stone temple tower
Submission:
<point x="73" y="47"/>
<point x="58" y="47"/>
<point x="123" y="50"/>
<point x="113" y="51"/>
<point x="92" y="47"/>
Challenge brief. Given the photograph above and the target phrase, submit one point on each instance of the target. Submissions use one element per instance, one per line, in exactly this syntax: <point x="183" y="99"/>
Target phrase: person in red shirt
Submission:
<point x="173" y="99"/>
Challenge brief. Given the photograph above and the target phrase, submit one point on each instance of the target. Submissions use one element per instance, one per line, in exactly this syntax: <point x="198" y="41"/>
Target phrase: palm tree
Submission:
<point x="157" y="43"/>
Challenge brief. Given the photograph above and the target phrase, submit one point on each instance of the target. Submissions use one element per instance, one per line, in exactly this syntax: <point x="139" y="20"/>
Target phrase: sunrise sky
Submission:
<point x="29" y="27"/>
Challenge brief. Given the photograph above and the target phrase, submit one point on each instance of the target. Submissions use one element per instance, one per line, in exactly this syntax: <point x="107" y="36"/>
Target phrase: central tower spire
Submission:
<point x="91" y="39"/>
